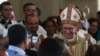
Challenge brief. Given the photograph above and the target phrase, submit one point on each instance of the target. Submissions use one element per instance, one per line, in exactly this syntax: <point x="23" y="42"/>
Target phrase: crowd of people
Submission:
<point x="62" y="35"/>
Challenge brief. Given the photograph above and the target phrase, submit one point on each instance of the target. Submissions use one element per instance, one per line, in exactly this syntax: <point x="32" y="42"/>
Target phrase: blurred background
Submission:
<point x="52" y="7"/>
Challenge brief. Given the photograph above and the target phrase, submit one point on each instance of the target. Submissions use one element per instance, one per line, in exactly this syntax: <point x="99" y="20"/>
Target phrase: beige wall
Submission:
<point x="51" y="7"/>
<point x="17" y="7"/>
<point x="82" y="3"/>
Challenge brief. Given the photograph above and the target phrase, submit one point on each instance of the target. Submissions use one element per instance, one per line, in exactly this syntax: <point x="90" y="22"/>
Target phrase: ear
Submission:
<point x="26" y="41"/>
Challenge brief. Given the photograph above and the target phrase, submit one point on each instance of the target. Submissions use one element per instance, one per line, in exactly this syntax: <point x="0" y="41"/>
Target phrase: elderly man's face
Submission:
<point x="68" y="30"/>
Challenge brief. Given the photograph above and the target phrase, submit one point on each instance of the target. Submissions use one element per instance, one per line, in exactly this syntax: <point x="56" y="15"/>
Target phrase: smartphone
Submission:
<point x="34" y="39"/>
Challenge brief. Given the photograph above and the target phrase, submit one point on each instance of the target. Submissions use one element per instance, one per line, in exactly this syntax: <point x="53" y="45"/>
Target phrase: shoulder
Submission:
<point x="31" y="52"/>
<point x="11" y="52"/>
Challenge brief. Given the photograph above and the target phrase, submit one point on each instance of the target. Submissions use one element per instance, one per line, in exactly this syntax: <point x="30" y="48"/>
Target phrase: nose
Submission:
<point x="67" y="31"/>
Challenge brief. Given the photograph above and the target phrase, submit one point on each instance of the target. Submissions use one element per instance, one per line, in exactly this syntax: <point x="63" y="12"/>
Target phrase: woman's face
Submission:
<point x="50" y="27"/>
<point x="93" y="27"/>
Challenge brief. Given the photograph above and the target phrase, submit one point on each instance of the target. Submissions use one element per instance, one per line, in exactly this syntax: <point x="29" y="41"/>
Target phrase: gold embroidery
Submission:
<point x="77" y="47"/>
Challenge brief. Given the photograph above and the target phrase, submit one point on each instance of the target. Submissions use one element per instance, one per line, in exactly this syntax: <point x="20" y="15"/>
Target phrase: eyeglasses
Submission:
<point x="32" y="10"/>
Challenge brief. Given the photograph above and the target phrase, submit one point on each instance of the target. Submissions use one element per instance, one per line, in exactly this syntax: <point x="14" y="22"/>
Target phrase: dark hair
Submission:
<point x="58" y="20"/>
<point x="39" y="11"/>
<point x="63" y="46"/>
<point x="98" y="12"/>
<point x="93" y="50"/>
<point x="52" y="17"/>
<point x="48" y="19"/>
<point x="3" y="4"/>
<point x="98" y="16"/>
<point x="0" y="8"/>
<point x="49" y="47"/>
<point x="17" y="34"/>
<point x="91" y="20"/>
<point x="27" y="4"/>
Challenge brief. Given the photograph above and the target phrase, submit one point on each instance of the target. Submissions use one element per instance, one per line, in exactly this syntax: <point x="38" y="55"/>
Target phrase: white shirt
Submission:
<point x="42" y="31"/>
<point x="7" y="53"/>
<point x="13" y="22"/>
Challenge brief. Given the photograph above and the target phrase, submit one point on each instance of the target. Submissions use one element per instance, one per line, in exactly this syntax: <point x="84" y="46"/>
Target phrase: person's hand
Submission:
<point x="87" y="37"/>
<point x="37" y="45"/>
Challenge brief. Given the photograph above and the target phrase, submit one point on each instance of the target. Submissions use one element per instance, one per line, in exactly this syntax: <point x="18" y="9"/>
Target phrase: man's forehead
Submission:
<point x="68" y="25"/>
<point x="30" y="6"/>
<point x="7" y="6"/>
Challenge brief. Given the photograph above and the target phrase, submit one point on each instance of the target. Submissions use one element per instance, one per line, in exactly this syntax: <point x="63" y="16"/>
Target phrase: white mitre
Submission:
<point x="70" y="14"/>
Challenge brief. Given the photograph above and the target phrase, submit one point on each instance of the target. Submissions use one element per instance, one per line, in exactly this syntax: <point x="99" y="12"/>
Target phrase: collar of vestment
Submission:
<point x="75" y="41"/>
